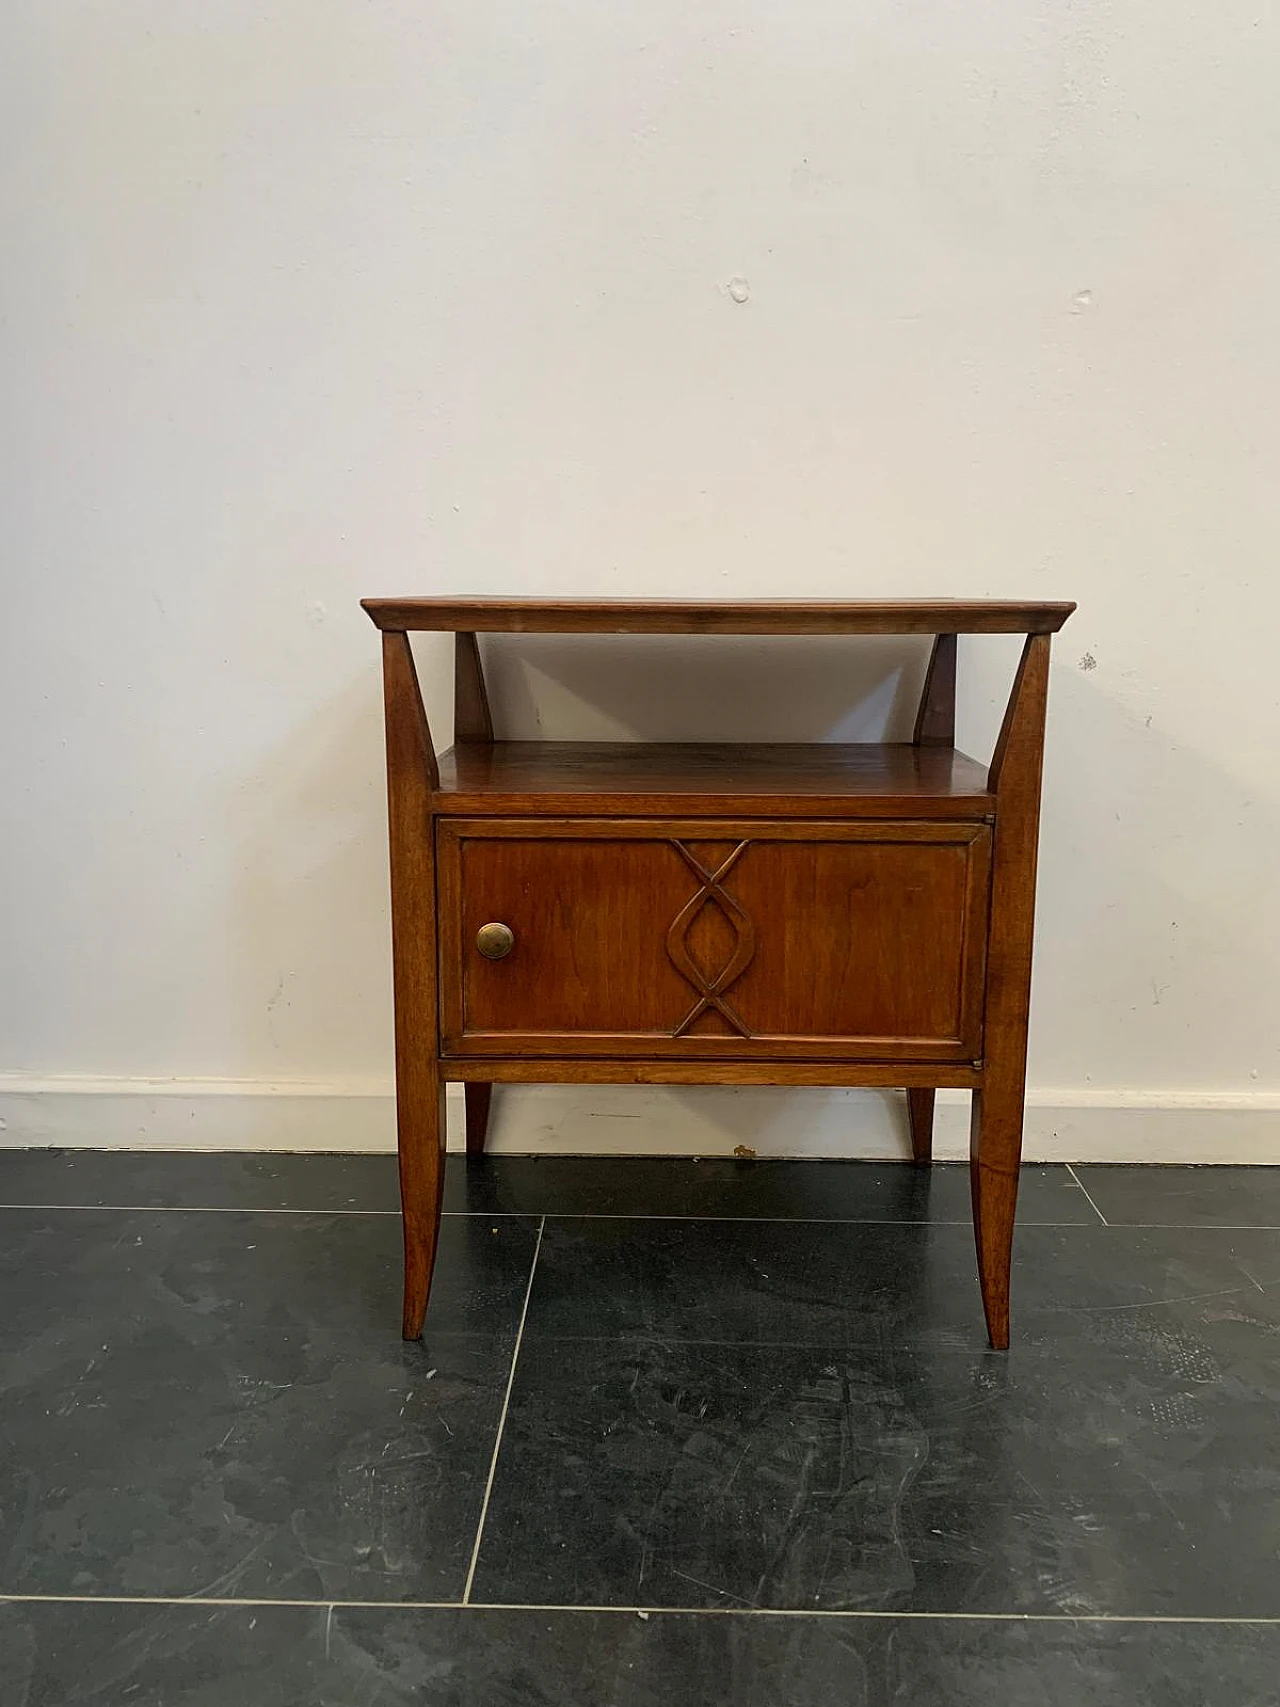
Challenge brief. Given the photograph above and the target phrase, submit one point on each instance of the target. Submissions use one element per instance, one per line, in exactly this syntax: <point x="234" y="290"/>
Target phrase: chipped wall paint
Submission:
<point x="311" y="300"/>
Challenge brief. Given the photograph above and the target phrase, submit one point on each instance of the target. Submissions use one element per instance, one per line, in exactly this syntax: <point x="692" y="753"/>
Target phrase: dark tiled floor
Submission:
<point x="527" y="1185"/>
<point x="1184" y="1197"/>
<point x="743" y="1443"/>
<point x="103" y="1656"/>
<point x="787" y="1191"/>
<point x="143" y="1179"/>
<point x="1076" y="1289"/>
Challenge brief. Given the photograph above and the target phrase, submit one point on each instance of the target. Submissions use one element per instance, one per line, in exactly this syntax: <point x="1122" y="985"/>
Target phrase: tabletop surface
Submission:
<point x="726" y="616"/>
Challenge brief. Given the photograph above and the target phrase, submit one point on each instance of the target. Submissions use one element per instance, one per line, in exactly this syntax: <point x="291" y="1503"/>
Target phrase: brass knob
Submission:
<point x="495" y="942"/>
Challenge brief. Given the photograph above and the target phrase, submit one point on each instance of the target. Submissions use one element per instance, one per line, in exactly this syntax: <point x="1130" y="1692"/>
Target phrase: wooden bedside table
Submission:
<point x="601" y="912"/>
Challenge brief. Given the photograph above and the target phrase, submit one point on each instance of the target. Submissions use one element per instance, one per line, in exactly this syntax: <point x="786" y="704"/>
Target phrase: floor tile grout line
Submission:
<point x="871" y="1613"/>
<point x="1191" y="1226"/>
<point x="331" y="1606"/>
<point x="592" y="1215"/>
<point x="1084" y="1188"/>
<point x="535" y="1214"/>
<point x="502" y="1419"/>
<point x="781" y="1220"/>
<point x="247" y="1601"/>
<point x="208" y="1209"/>
<point x="261" y="1209"/>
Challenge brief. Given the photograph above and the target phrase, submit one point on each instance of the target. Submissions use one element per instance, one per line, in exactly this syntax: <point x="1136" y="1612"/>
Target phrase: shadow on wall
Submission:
<point x="704" y="688"/>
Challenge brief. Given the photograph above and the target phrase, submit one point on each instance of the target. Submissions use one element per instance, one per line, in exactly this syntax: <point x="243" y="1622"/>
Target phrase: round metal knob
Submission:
<point x="495" y="942"/>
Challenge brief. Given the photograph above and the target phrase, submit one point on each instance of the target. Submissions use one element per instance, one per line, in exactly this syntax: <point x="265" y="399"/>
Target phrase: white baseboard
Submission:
<point x="231" y="1114"/>
<point x="195" y="1114"/>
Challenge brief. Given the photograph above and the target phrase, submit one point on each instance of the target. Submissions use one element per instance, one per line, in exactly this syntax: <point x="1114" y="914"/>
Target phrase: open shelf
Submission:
<point x="874" y="779"/>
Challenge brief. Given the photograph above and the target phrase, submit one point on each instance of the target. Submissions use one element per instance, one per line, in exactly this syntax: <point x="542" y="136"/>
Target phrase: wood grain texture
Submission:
<point x="839" y="940"/>
<point x="478" y="1100"/>
<point x="696" y="616"/>
<point x="995" y="1145"/>
<point x="714" y="832"/>
<point x="472" y="719"/>
<point x="533" y="1070"/>
<point x="419" y="1087"/>
<point x="936" y="718"/>
<point x="920" y="1101"/>
<point x="714" y="914"/>
<point x="783" y="779"/>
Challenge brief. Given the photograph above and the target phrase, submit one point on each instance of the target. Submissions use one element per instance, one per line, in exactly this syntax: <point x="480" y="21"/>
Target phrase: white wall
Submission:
<point x="306" y="299"/>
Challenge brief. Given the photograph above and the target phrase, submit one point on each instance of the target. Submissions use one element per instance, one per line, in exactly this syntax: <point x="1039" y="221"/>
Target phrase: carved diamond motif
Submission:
<point x="711" y="987"/>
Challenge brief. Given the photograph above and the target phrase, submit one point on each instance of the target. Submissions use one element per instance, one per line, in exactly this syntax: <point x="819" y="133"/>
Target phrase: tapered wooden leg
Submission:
<point x="995" y="1151"/>
<point x="422" y="1134"/>
<point x="920" y="1115"/>
<point x="412" y="774"/>
<point x="995" y="1136"/>
<point x="478" y="1099"/>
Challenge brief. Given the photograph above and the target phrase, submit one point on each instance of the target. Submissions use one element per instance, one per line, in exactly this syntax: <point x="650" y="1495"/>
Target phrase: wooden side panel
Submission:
<point x="936" y="718"/>
<point x="472" y="719"/>
<point x="716" y="941"/>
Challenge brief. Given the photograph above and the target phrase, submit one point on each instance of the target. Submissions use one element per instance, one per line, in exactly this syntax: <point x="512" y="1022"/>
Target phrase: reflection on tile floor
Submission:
<point x="737" y="1391"/>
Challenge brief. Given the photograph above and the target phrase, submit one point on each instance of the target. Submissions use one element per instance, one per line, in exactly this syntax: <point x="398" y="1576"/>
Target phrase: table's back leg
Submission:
<point x="920" y="1115"/>
<point x="935" y="727"/>
<point x="479" y="1098"/>
<point x="472" y="721"/>
<point x="995" y="1144"/>
<point x="936" y="716"/>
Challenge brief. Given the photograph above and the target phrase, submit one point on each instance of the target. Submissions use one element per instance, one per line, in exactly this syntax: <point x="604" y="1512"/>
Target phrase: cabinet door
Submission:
<point x="707" y="939"/>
